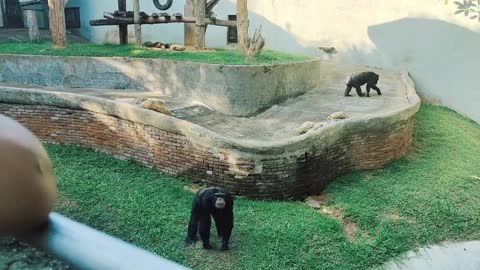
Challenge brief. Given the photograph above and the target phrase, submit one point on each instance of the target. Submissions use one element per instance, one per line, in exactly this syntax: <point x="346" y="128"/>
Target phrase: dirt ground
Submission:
<point x="21" y="35"/>
<point x="15" y="255"/>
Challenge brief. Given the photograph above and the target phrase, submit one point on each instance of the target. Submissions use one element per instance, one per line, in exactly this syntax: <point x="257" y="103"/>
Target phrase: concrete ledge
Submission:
<point x="239" y="90"/>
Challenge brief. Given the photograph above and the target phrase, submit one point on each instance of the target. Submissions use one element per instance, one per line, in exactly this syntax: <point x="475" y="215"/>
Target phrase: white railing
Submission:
<point x="85" y="248"/>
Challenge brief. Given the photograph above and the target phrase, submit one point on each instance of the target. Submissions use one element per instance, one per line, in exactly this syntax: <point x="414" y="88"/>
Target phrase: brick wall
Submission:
<point x="275" y="177"/>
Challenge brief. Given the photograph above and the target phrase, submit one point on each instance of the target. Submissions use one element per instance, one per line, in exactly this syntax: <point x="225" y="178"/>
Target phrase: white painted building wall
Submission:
<point x="440" y="50"/>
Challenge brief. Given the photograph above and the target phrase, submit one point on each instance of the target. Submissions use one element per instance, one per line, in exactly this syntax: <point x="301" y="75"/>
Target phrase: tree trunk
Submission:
<point x="242" y="25"/>
<point x="32" y="24"/>
<point x="136" y="21"/>
<point x="200" y="25"/>
<point x="123" y="28"/>
<point x="190" y="6"/>
<point x="57" y="23"/>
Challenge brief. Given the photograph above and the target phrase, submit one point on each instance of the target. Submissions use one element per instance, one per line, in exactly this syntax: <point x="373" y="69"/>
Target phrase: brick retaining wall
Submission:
<point x="273" y="176"/>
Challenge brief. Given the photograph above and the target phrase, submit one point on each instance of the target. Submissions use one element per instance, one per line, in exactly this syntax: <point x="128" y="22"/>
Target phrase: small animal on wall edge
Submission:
<point x="358" y="79"/>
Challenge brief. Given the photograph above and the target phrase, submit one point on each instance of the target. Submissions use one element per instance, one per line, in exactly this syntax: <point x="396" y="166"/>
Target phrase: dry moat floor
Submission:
<point x="278" y="122"/>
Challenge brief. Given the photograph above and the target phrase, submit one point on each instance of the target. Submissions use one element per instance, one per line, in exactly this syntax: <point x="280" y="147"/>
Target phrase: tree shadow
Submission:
<point x="443" y="59"/>
<point x="277" y="38"/>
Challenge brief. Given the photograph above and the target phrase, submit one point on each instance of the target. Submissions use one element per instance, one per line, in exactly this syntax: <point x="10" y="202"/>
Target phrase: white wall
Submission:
<point x="439" y="49"/>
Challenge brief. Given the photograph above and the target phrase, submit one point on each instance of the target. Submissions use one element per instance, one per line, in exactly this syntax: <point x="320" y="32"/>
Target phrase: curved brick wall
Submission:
<point x="294" y="167"/>
<point x="295" y="176"/>
<point x="256" y="173"/>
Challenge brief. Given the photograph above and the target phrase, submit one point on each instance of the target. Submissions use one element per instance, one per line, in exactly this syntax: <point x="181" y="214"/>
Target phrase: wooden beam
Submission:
<point x="57" y="23"/>
<point x="123" y="28"/>
<point x="136" y="20"/>
<point x="111" y="19"/>
<point x="32" y="2"/>
<point x="32" y="24"/>
<point x="242" y="25"/>
<point x="200" y="25"/>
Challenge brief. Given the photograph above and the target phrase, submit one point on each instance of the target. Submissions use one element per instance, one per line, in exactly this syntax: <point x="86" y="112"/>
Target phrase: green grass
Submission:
<point x="432" y="195"/>
<point x="217" y="56"/>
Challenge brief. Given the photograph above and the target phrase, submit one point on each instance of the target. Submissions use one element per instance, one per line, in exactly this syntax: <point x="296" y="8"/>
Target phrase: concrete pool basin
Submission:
<point x="258" y="153"/>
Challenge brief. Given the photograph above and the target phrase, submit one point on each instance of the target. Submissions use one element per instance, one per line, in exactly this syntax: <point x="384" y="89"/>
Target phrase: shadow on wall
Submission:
<point x="276" y="37"/>
<point x="443" y="58"/>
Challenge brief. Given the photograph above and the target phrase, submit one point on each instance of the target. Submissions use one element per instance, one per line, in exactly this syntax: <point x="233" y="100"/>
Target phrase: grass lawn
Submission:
<point x="217" y="56"/>
<point x="432" y="195"/>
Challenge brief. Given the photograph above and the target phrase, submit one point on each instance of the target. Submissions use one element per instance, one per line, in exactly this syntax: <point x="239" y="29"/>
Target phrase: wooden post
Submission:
<point x="200" y="25"/>
<point x="189" y="35"/>
<point x="32" y="24"/>
<point x="57" y="23"/>
<point x="123" y="28"/>
<point x="136" y="21"/>
<point x="242" y="25"/>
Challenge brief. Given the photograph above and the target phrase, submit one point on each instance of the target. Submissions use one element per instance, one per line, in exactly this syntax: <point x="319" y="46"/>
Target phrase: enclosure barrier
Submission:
<point x="85" y="248"/>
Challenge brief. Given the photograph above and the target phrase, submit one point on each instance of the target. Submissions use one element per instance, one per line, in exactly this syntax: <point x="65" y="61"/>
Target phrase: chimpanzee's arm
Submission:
<point x="228" y="222"/>
<point x="193" y="224"/>
<point x="347" y="91"/>
<point x="204" y="229"/>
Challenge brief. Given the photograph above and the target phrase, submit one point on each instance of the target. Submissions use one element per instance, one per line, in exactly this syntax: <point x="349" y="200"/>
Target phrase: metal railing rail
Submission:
<point x="85" y="248"/>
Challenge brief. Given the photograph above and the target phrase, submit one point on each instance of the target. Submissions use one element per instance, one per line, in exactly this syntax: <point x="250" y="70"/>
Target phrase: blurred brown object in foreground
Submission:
<point x="27" y="183"/>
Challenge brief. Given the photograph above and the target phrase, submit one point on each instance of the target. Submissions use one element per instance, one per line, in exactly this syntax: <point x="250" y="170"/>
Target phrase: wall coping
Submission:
<point x="312" y="59"/>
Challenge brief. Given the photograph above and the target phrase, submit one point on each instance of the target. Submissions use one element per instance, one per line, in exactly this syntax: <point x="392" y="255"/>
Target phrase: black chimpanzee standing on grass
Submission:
<point x="216" y="202"/>
<point x="359" y="79"/>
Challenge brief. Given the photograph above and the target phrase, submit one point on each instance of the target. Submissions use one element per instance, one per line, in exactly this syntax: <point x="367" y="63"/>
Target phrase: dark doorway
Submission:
<point x="13" y="14"/>
<point x="232" y="36"/>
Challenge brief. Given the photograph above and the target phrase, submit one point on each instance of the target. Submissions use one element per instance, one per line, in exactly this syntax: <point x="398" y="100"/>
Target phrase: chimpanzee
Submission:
<point x="216" y="202"/>
<point x="359" y="79"/>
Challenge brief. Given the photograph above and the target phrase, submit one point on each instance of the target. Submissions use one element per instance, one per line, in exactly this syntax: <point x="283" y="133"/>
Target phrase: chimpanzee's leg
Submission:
<point x="227" y="227"/>
<point x="377" y="89"/>
<point x="192" y="226"/>
<point x="204" y="228"/>
<point x="368" y="90"/>
<point x="347" y="91"/>
<point x="359" y="91"/>
<point x="218" y="223"/>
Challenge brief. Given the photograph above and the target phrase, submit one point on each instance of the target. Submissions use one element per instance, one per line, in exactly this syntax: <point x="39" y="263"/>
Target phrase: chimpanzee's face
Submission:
<point x="219" y="201"/>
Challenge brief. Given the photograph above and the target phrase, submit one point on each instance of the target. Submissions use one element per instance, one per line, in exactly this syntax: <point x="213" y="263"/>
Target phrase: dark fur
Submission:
<point x="359" y="79"/>
<point x="202" y="209"/>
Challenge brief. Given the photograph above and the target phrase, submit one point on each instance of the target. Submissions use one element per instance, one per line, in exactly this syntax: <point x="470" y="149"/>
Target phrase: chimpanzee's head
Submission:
<point x="219" y="200"/>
